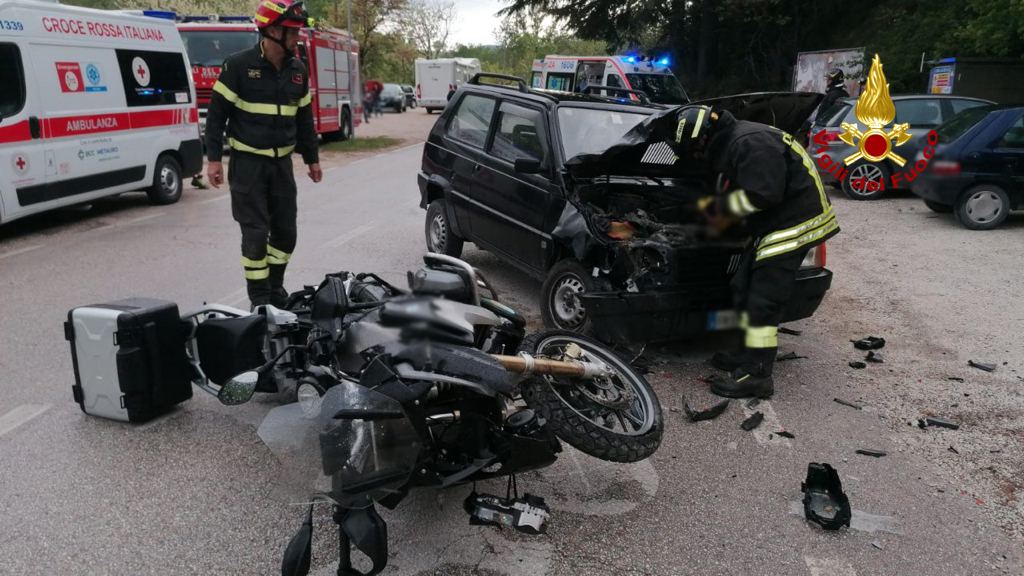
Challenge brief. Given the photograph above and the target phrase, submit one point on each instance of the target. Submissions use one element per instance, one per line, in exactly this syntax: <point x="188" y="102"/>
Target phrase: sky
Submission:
<point x="475" y="21"/>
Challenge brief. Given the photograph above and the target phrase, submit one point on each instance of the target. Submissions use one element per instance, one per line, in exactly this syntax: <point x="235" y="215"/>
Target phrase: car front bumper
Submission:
<point x="673" y="313"/>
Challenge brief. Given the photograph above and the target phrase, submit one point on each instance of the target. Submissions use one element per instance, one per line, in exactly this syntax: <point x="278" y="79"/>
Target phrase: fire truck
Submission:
<point x="632" y="72"/>
<point x="331" y="55"/>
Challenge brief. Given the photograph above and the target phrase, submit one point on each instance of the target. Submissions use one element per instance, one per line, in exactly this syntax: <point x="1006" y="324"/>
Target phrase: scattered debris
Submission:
<point x="753" y="403"/>
<point x="706" y="414"/>
<point x="869" y="343"/>
<point x="954" y="450"/>
<point x="875" y="357"/>
<point x="870" y="452"/>
<point x="858" y="365"/>
<point x="996" y="451"/>
<point x="956" y="379"/>
<point x="789" y="331"/>
<point x="987" y="367"/>
<point x="876" y="544"/>
<point x="847" y="403"/>
<point x="753" y="422"/>
<point x="824" y="501"/>
<point x="789" y="356"/>
<point x="675" y="409"/>
<point x="786" y="434"/>
<point x="921" y="423"/>
<point x="942" y="423"/>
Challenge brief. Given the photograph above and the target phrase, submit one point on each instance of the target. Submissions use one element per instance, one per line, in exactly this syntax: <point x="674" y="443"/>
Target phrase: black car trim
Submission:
<point x="505" y="216"/>
<point x="482" y="165"/>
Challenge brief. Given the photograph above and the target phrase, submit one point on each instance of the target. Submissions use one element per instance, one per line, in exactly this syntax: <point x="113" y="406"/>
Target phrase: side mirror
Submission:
<point x="299" y="553"/>
<point x="239" y="389"/>
<point x="528" y="166"/>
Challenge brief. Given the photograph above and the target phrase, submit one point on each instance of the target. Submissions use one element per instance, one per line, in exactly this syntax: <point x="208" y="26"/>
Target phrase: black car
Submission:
<point x="621" y="248"/>
<point x="977" y="171"/>
<point x="392" y="96"/>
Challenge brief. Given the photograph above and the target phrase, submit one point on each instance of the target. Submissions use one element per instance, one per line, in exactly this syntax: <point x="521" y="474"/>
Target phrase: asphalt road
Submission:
<point x="195" y="492"/>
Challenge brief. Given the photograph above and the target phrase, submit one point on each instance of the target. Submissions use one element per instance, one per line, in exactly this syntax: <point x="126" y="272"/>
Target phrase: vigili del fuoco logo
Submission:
<point x="875" y="110"/>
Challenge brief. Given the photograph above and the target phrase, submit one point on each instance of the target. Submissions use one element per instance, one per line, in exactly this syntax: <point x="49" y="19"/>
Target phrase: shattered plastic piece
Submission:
<point x="825" y="503"/>
<point x="875" y="357"/>
<point x="876" y="544"/>
<point x="706" y="414"/>
<point x="869" y="343"/>
<point x="790" y="331"/>
<point x="785" y="434"/>
<point x="956" y="379"/>
<point x="753" y="403"/>
<point x="847" y="403"/>
<point x="789" y="356"/>
<point x="921" y="424"/>
<point x="942" y="423"/>
<point x="753" y="422"/>
<point x="954" y="450"/>
<point x="869" y="452"/>
<point x="987" y="367"/>
<point x="858" y="365"/>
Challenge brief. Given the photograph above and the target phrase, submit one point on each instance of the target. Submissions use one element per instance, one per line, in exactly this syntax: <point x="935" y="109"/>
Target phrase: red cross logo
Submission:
<point x="20" y="162"/>
<point x="141" y="71"/>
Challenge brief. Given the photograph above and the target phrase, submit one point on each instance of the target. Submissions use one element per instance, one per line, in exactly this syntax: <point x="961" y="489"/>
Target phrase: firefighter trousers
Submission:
<point x="263" y="202"/>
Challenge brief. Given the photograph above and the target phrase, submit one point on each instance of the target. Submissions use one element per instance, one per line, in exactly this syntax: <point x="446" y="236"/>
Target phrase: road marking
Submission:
<point x="349" y="236"/>
<point x="20" y="251"/>
<point x="142" y="218"/>
<point x="765" y="434"/>
<point x="20" y="415"/>
<point x="829" y="567"/>
<point x="214" y="199"/>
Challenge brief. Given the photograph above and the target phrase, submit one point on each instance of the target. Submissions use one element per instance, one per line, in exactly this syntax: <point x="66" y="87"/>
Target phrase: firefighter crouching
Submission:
<point x="263" y="98"/>
<point x="769" y="180"/>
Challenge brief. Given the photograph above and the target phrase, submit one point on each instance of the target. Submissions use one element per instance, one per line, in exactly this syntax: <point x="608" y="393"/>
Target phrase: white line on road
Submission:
<point x="20" y="415"/>
<point x="214" y="199"/>
<point x="829" y="567"/>
<point x="20" y="251"/>
<point x="349" y="236"/>
<point x="142" y="218"/>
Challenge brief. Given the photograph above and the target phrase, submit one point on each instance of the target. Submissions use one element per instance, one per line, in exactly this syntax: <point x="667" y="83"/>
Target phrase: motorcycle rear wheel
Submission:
<point x="616" y="419"/>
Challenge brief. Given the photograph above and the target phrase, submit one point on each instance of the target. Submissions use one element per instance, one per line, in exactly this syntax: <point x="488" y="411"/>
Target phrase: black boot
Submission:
<point x="731" y="358"/>
<point x="278" y="295"/>
<point x="752" y="379"/>
<point x="259" y="292"/>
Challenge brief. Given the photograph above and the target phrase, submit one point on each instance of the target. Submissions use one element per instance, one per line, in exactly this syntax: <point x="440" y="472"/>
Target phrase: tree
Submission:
<point x="370" y="20"/>
<point x="427" y="24"/>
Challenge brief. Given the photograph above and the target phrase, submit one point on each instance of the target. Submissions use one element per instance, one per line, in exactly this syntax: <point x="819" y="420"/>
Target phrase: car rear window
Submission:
<point x="472" y="120"/>
<point x="919" y="112"/>
<point x="961" y="123"/>
<point x="960" y="105"/>
<point x="1014" y="137"/>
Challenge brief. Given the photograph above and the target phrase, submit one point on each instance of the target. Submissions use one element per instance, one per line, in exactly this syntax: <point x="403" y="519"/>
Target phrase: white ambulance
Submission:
<point x="94" y="103"/>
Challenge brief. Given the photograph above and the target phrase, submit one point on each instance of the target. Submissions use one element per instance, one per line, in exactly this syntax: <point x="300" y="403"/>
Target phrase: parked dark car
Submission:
<point x="410" y="96"/>
<point x="393" y="97"/>
<point x="977" y="171"/>
<point x="923" y="112"/>
<point x="620" y="246"/>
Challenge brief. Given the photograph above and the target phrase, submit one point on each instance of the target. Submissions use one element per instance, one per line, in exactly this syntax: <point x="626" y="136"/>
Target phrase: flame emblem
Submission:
<point x="875" y="110"/>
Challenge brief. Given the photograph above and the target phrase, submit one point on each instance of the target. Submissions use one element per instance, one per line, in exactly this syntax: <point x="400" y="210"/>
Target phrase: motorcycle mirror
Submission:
<point x="299" y="553"/>
<point x="239" y="389"/>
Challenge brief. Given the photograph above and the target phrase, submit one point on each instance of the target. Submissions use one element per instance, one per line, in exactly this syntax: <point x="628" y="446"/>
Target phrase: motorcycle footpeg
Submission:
<point x="528" y="514"/>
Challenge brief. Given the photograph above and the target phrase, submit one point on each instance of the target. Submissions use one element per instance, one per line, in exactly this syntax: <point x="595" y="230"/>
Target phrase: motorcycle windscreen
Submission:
<point x="367" y="444"/>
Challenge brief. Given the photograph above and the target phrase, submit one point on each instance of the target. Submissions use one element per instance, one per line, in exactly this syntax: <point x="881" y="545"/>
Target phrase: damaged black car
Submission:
<point x="540" y="179"/>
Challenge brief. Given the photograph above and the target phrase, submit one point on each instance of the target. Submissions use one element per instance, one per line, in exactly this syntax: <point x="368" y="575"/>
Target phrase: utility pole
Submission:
<point x="348" y="9"/>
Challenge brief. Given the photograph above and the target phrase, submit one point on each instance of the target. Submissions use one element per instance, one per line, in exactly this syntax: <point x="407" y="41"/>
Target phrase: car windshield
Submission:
<point x="210" y="48"/>
<point x="961" y="123"/>
<point x="592" y="131"/>
<point x="391" y="90"/>
<point x="660" y="88"/>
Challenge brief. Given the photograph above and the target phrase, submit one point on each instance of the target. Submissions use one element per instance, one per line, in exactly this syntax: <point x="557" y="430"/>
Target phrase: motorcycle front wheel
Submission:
<point x="616" y="418"/>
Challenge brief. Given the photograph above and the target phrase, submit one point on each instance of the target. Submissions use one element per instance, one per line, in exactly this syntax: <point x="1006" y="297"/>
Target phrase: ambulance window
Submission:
<point x="12" y="96"/>
<point x="154" y="78"/>
<point x="561" y="82"/>
<point x="614" y="81"/>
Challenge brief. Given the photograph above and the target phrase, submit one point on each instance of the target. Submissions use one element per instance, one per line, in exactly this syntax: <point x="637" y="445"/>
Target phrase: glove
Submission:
<point x="715" y="213"/>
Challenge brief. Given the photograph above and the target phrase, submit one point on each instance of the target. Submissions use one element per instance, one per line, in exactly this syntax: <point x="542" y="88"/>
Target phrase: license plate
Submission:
<point x="723" y="320"/>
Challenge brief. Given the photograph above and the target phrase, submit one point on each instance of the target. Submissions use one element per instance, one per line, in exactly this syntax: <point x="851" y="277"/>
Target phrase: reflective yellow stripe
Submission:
<point x="275" y="256"/>
<point x="260" y="274"/>
<point x="226" y="92"/>
<point x="305" y="101"/>
<point x="763" y="337"/>
<point x="700" y="120"/>
<point x="797" y="230"/>
<point x="679" y="130"/>
<point x="808" y="238"/>
<point x="744" y="320"/>
<point x="272" y="152"/>
<point x="273" y="6"/>
<point x="739" y="203"/>
<point x="262" y="19"/>
<point x="809" y="165"/>
<point x="254" y="263"/>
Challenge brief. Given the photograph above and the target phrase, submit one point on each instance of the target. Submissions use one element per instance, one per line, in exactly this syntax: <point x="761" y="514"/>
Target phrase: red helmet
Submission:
<point x="282" y="13"/>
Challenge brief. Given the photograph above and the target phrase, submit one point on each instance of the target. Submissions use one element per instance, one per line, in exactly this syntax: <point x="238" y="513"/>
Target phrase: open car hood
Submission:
<point x="643" y="152"/>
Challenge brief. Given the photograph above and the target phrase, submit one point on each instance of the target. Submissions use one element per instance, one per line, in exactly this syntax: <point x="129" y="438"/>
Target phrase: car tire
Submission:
<point x="983" y="207"/>
<point x="876" y="175"/>
<point x="167" y="182"/>
<point x="936" y="207"/>
<point x="560" y="305"/>
<point x="440" y="237"/>
<point x="429" y="110"/>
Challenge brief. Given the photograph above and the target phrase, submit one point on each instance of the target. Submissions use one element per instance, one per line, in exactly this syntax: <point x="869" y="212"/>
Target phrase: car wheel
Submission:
<point x="936" y="207"/>
<point x="167" y="184"/>
<point x="866" y="181"/>
<point x="429" y="110"/>
<point x="441" y="239"/>
<point x="561" y="306"/>
<point x="983" y="207"/>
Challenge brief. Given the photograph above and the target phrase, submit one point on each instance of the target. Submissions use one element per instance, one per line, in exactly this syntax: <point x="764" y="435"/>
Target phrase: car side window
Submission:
<point x="520" y="134"/>
<point x="472" y="120"/>
<point x="12" y="97"/>
<point x="918" y="112"/>
<point x="1014" y="137"/>
<point x="961" y="105"/>
<point x="614" y="81"/>
<point x="153" y="78"/>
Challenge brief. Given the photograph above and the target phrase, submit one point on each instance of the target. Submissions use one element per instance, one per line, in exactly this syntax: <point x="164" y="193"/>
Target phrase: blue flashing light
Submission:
<point x="947" y="60"/>
<point x="664" y="61"/>
<point x="631" y="59"/>
<point x="165" y="14"/>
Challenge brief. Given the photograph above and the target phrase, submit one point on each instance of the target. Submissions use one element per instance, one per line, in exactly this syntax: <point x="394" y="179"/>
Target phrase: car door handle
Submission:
<point x="476" y="168"/>
<point x="34" y="127"/>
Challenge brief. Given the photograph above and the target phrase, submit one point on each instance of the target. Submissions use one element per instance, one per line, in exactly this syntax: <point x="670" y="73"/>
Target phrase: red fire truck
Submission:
<point x="331" y="55"/>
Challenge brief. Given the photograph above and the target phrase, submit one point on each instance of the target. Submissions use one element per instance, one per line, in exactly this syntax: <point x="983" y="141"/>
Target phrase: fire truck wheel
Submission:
<point x="167" y="184"/>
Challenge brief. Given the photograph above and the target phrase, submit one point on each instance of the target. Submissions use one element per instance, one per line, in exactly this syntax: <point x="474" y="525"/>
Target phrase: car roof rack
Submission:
<point x="640" y="94"/>
<point x="521" y="84"/>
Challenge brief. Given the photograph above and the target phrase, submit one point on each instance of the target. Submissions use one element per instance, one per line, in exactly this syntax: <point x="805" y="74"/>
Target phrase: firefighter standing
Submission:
<point x="263" y="98"/>
<point x="769" y="180"/>
<point x="836" y="89"/>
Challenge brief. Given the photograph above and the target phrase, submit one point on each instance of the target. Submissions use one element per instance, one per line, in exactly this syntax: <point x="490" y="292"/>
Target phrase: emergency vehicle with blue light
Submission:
<point x="653" y="76"/>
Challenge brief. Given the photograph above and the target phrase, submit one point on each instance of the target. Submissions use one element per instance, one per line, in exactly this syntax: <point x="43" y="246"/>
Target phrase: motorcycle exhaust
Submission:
<point x="526" y="365"/>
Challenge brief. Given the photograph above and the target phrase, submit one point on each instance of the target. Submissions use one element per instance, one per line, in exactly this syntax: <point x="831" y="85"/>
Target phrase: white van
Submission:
<point x="436" y="78"/>
<point x="93" y="103"/>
